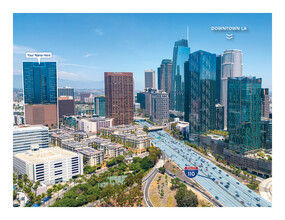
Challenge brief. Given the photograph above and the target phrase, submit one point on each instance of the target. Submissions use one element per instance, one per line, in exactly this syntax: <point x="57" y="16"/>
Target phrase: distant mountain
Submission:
<point x="17" y="83"/>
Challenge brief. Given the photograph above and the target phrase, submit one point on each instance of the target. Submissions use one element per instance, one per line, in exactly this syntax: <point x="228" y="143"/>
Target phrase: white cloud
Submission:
<point x="90" y="55"/>
<point x="67" y="75"/>
<point x="18" y="49"/>
<point x="99" y="32"/>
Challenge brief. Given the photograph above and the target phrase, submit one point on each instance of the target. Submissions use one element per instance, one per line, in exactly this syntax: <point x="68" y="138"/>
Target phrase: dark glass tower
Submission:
<point x="244" y="113"/>
<point x="99" y="105"/>
<point x="40" y="82"/>
<point x="200" y="93"/>
<point x="181" y="53"/>
<point x="218" y="77"/>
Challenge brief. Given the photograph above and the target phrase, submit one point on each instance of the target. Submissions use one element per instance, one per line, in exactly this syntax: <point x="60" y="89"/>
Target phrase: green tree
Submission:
<point x="186" y="198"/>
<point x="145" y="128"/>
<point x="161" y="170"/>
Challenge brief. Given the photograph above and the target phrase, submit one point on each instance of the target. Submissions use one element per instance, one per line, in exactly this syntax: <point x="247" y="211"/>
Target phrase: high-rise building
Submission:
<point x="181" y="53"/>
<point x="119" y="97"/>
<point x="66" y="106"/>
<point x="40" y="93"/>
<point x="28" y="137"/>
<point x="141" y="99"/>
<point x="231" y="67"/>
<point x="149" y="79"/>
<point x="244" y="113"/>
<point x="164" y="73"/>
<point x="266" y="133"/>
<point x="219" y="117"/>
<point x="83" y="96"/>
<point x="218" y="78"/>
<point x="265" y="103"/>
<point x="159" y="106"/>
<point x="99" y="105"/>
<point x="200" y="93"/>
<point x="66" y="91"/>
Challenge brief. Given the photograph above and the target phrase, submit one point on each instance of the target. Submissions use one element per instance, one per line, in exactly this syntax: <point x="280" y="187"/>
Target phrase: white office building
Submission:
<point x="231" y="67"/>
<point x="49" y="165"/>
<point x="26" y="137"/>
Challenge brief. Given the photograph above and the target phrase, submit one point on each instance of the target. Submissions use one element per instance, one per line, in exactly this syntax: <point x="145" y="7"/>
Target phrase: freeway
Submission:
<point x="223" y="187"/>
<point x="147" y="182"/>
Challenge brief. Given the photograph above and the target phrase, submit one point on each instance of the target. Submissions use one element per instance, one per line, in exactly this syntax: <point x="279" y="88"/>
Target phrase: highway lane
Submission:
<point x="147" y="183"/>
<point x="217" y="182"/>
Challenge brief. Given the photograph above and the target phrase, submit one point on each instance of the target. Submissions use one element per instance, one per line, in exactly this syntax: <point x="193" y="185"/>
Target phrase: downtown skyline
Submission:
<point x="87" y="45"/>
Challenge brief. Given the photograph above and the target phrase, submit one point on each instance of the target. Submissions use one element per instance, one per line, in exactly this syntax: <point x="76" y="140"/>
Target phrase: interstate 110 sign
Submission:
<point x="191" y="172"/>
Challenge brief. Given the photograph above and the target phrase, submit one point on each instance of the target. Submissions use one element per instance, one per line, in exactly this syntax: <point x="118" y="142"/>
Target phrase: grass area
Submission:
<point x="170" y="201"/>
<point x="252" y="186"/>
<point x="154" y="199"/>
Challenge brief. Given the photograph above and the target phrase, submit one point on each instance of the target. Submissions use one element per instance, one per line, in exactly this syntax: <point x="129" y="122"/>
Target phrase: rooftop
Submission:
<point x="45" y="155"/>
<point x="22" y="128"/>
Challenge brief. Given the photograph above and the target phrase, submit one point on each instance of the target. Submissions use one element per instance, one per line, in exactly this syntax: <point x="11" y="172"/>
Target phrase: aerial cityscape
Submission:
<point x="146" y="110"/>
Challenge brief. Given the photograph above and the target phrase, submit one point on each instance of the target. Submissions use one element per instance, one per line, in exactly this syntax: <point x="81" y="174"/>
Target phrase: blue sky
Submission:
<point x="87" y="45"/>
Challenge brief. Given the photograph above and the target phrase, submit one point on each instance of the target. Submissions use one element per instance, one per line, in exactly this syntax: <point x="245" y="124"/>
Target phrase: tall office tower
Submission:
<point x="83" y="96"/>
<point x="99" y="105"/>
<point x="244" y="113"/>
<point x="200" y="93"/>
<point x="149" y="79"/>
<point x="141" y="99"/>
<point x="66" y="106"/>
<point x="28" y="137"/>
<point x="231" y="67"/>
<point x="159" y="106"/>
<point x="119" y="97"/>
<point x="164" y="75"/>
<point x="265" y="103"/>
<point x="219" y="117"/>
<point x="40" y="93"/>
<point x="66" y="91"/>
<point x="181" y="53"/>
<point x="266" y="133"/>
<point x="218" y="78"/>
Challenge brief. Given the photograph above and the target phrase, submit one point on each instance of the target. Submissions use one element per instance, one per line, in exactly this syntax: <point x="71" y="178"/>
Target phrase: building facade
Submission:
<point x="149" y="79"/>
<point x="219" y="117"/>
<point x="49" y="166"/>
<point x="181" y="53"/>
<point x="40" y="88"/>
<point x="99" y="105"/>
<point x="218" y="77"/>
<point x="231" y="67"/>
<point x="266" y="133"/>
<point x="28" y="137"/>
<point x="119" y="97"/>
<point x="66" y="91"/>
<point x="83" y="96"/>
<point x="164" y="73"/>
<point x="265" y="103"/>
<point x="159" y="107"/>
<point x="200" y="93"/>
<point x="66" y="106"/>
<point x="244" y="113"/>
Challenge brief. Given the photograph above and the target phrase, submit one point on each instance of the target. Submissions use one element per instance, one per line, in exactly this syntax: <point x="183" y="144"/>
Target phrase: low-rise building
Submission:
<point x="49" y="165"/>
<point x="216" y="143"/>
<point x="58" y="139"/>
<point x="93" y="157"/>
<point x="25" y="137"/>
<point x="93" y="125"/>
<point x="183" y="127"/>
<point x="73" y="146"/>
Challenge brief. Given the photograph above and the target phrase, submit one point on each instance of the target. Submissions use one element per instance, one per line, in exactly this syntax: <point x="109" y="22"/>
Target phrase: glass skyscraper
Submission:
<point x="218" y="78"/>
<point x="244" y="113"/>
<point x="181" y="53"/>
<point x="200" y="93"/>
<point x="40" y="93"/>
<point x="231" y="67"/>
<point x="99" y="104"/>
<point x="40" y="82"/>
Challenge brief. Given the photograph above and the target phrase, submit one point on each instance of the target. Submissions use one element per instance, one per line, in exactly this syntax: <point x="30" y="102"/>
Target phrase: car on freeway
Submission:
<point x="257" y="199"/>
<point x="238" y="183"/>
<point x="258" y="205"/>
<point x="217" y="197"/>
<point x="217" y="182"/>
<point x="242" y="202"/>
<point x="237" y="195"/>
<point x="227" y="186"/>
<point x="221" y="183"/>
<point x="220" y="177"/>
<point x="249" y="191"/>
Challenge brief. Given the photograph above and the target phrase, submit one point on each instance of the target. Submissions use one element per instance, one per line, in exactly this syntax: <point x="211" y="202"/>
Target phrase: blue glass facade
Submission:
<point x="99" y="105"/>
<point x="200" y="93"/>
<point x="244" y="113"/>
<point x="181" y="53"/>
<point x="40" y="82"/>
<point x="218" y="78"/>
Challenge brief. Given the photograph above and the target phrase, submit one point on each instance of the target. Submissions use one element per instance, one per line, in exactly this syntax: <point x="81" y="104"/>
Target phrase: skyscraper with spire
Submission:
<point x="181" y="53"/>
